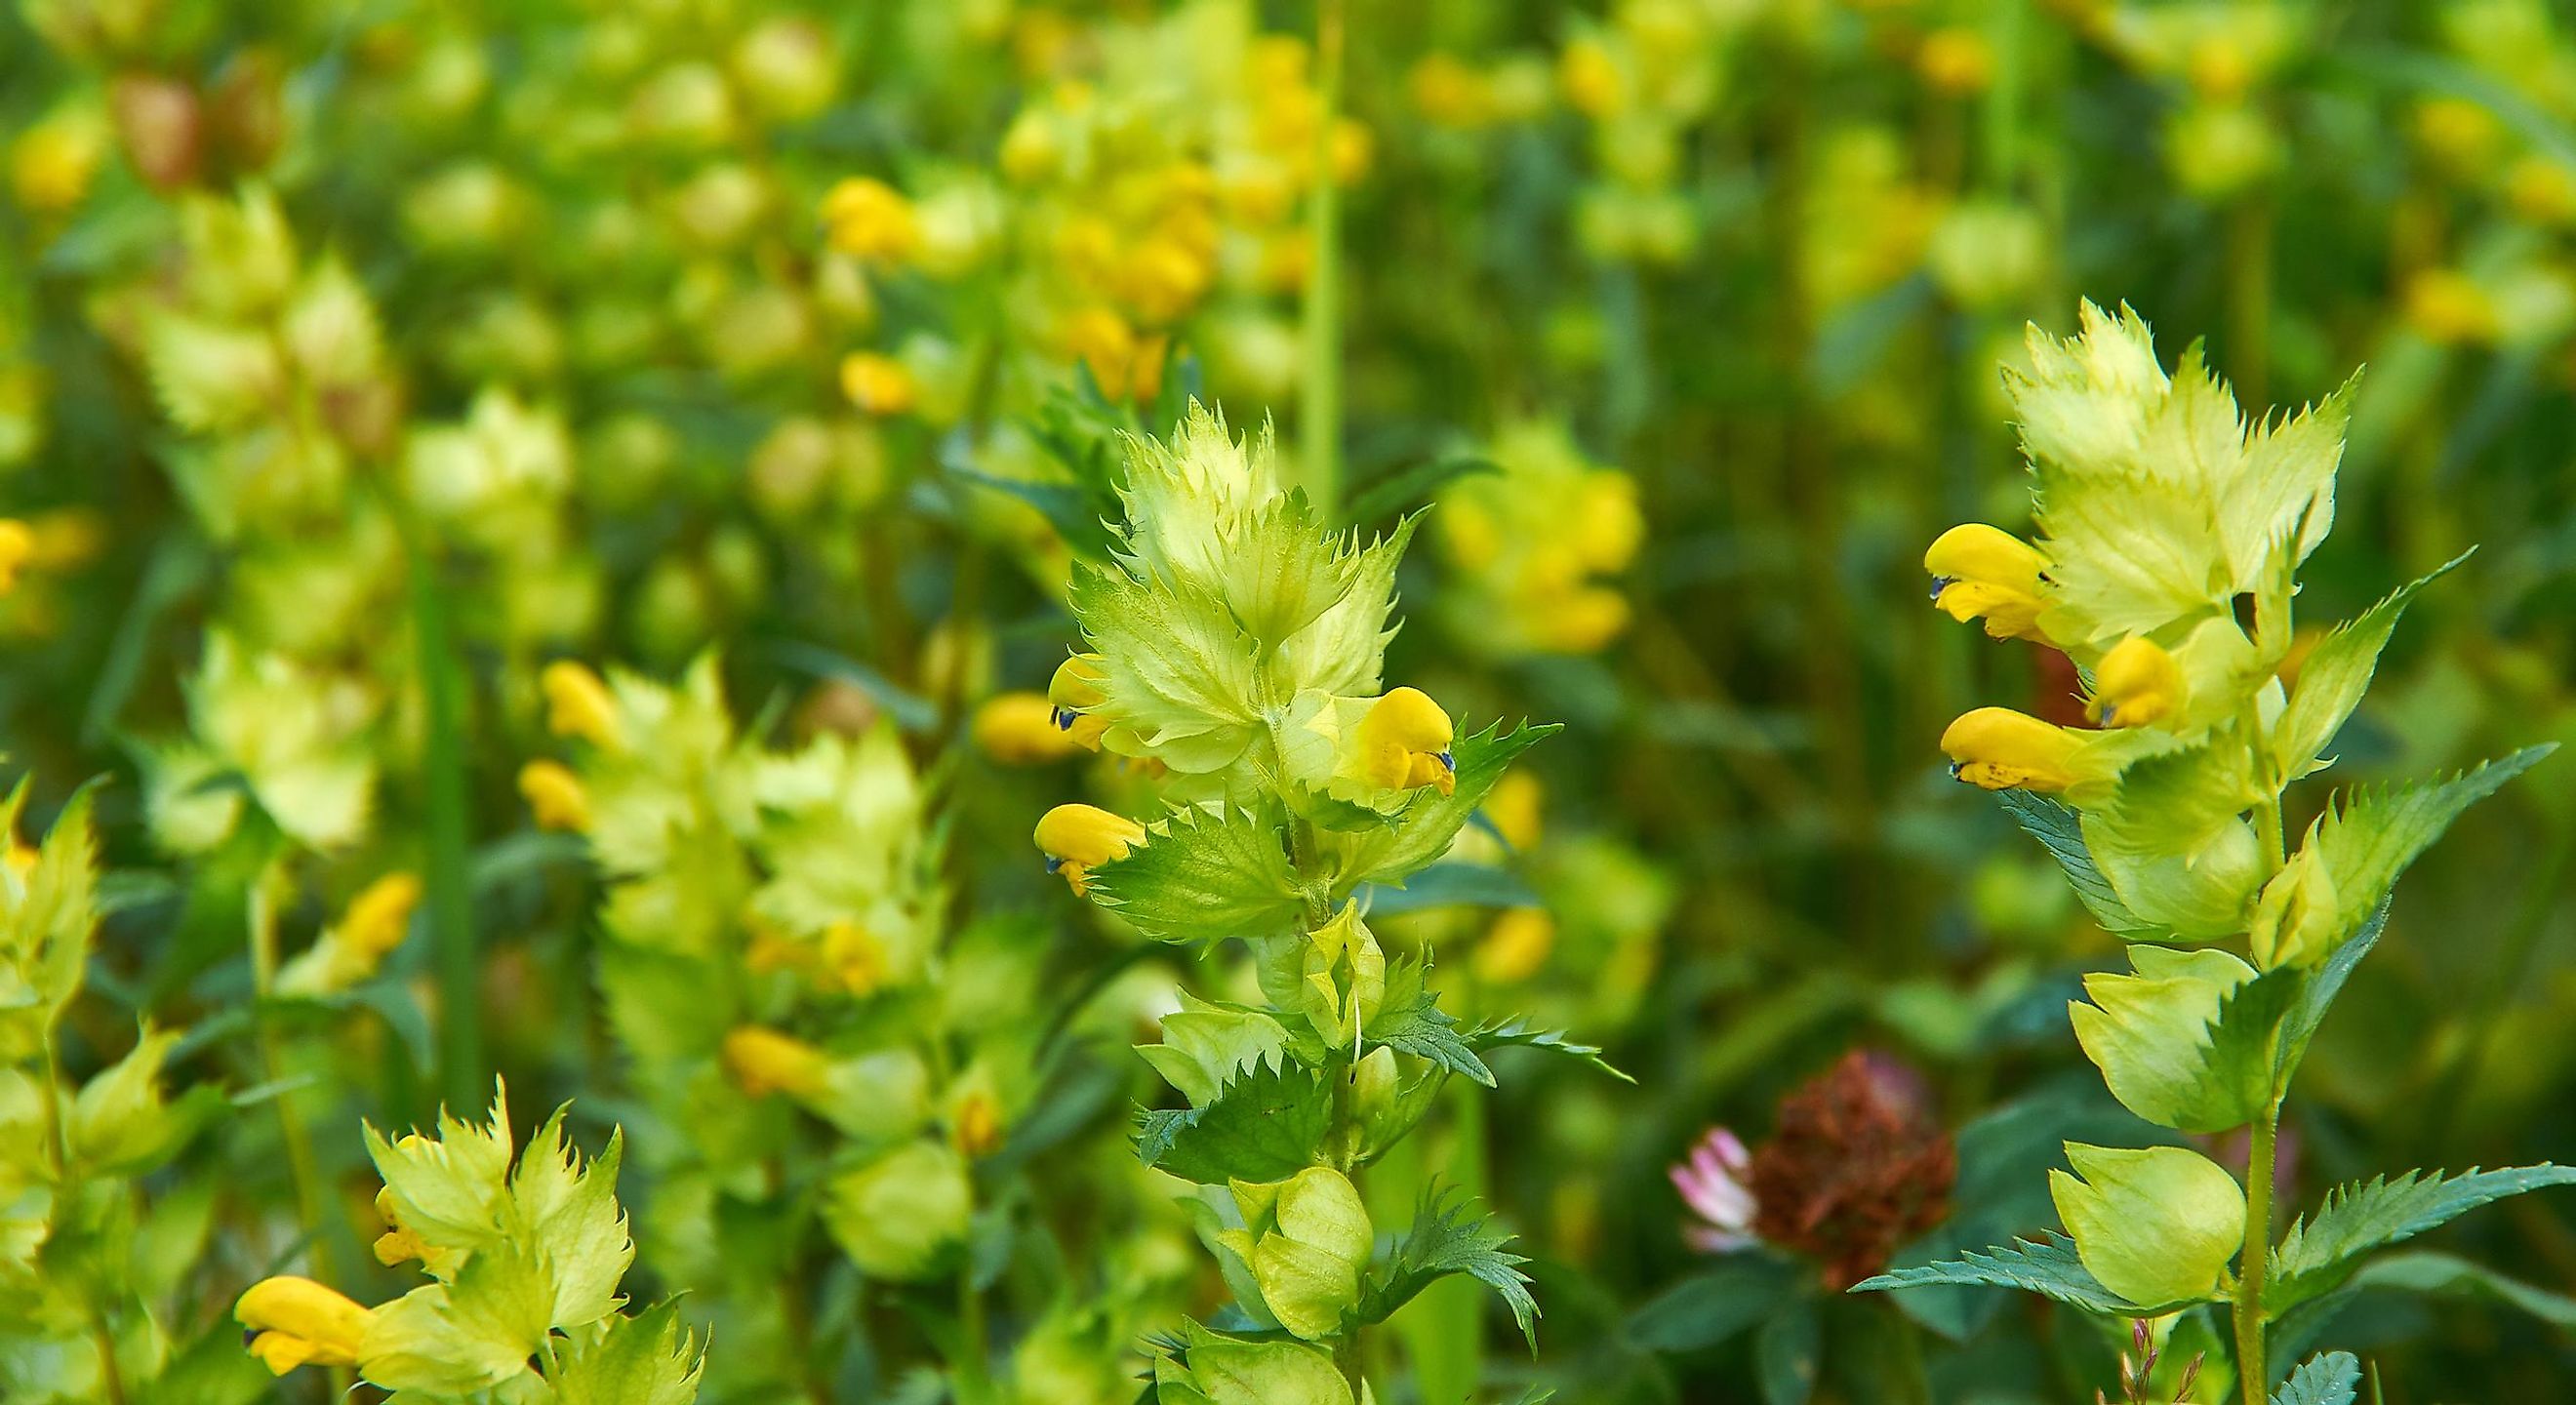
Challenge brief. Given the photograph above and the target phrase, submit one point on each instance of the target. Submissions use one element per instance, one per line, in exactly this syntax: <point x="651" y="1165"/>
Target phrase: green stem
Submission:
<point x="2258" y="1252"/>
<point x="1323" y="321"/>
<point x="301" y="1169"/>
<point x="447" y="888"/>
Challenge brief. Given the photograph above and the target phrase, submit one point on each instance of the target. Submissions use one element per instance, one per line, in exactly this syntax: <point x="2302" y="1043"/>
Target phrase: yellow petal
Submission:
<point x="2000" y="749"/>
<point x="2136" y="684"/>
<point x="1086" y="835"/>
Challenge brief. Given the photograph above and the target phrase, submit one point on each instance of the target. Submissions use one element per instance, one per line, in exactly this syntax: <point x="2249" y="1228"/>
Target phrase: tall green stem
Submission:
<point x="447" y="888"/>
<point x="2256" y="1382"/>
<point x="1323" y="328"/>
<point x="301" y="1169"/>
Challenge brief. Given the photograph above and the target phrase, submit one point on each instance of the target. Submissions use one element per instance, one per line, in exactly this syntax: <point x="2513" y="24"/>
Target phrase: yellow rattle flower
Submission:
<point x="2000" y="749"/>
<point x="578" y="703"/>
<point x="1981" y="570"/>
<point x="1079" y="838"/>
<point x="1404" y="743"/>
<point x="2136" y="684"/>
<point x="298" y="1322"/>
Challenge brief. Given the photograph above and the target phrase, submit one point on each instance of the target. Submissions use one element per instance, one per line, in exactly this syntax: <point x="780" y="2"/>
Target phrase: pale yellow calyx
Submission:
<point x="763" y="1061"/>
<point x="1079" y="838"/>
<point x="298" y="1322"/>
<point x="578" y="703"/>
<point x="1999" y="749"/>
<point x="555" y="795"/>
<point x="1404" y="743"/>
<point x="2137" y="684"/>
<point x="1981" y="571"/>
<point x="1073" y="691"/>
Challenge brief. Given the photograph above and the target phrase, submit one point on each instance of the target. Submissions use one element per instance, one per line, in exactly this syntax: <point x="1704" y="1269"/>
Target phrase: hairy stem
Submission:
<point x="2258" y="1252"/>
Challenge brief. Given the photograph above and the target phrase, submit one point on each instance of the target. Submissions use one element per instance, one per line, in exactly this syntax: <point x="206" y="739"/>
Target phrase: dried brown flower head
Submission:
<point x="1857" y="1166"/>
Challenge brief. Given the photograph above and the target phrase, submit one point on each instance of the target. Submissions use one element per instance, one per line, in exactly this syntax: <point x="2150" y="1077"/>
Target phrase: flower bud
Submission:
<point x="1079" y="838"/>
<point x="1074" y="690"/>
<point x="1997" y="748"/>
<point x="578" y="704"/>
<point x="879" y="384"/>
<point x="297" y="1322"/>
<point x="2137" y="684"/>
<point x="2298" y="915"/>
<point x="1343" y="971"/>
<point x="870" y="220"/>
<point x="555" y="796"/>
<point x="764" y="1061"/>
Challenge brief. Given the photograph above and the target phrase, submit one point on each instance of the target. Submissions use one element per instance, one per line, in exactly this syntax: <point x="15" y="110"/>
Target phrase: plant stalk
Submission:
<point x="2251" y="1375"/>
<point x="1322" y="416"/>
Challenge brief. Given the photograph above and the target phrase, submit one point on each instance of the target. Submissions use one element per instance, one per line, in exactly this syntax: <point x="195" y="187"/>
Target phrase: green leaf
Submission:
<point x="1443" y="1240"/>
<point x="1204" y="877"/>
<point x="1410" y="1021"/>
<point x="2337" y="673"/>
<point x="1426" y="828"/>
<point x="2333" y="1378"/>
<point x="1786" y="1353"/>
<point x="646" y="1360"/>
<point x="1176" y="670"/>
<point x="1712" y="1307"/>
<point x="2448" y="1275"/>
<point x="1206" y="1046"/>
<point x="2048" y="1267"/>
<point x="2368" y="837"/>
<point x="2053" y="823"/>
<point x="1516" y="1033"/>
<point x="2318" y="995"/>
<point x="2319" y="1252"/>
<point x="1408" y="488"/>
<point x="1263" y="1127"/>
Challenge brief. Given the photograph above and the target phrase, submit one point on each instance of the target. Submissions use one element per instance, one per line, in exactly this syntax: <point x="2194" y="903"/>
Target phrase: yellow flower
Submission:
<point x="1022" y="729"/>
<point x="1448" y="93"/>
<point x="1956" y="61"/>
<point x="379" y="915"/>
<point x="1579" y="621"/>
<point x="1513" y="805"/>
<point x="1608" y="526"/>
<point x="878" y="384"/>
<point x="578" y="704"/>
<point x="976" y="1127"/>
<point x="298" y="1322"/>
<point x="1075" y="689"/>
<point x="1516" y="946"/>
<point x="398" y="1244"/>
<point x="1981" y="570"/>
<point x="555" y="795"/>
<point x="855" y="957"/>
<point x="2219" y="69"/>
<point x="17" y="543"/>
<point x="869" y="219"/>
<point x="2542" y="189"/>
<point x="1592" y="79"/>
<point x="53" y="162"/>
<point x="764" y="1061"/>
<point x="1404" y="743"/>
<point x="2447" y="306"/>
<point x="1079" y="838"/>
<point x="2000" y="749"/>
<point x="2136" y="684"/>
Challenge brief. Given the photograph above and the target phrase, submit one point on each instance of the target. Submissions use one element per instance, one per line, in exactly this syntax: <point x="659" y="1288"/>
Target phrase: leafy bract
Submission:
<point x="1206" y="1046"/>
<point x="2336" y="674"/>
<point x="646" y="1360"/>
<point x="2185" y="1041"/>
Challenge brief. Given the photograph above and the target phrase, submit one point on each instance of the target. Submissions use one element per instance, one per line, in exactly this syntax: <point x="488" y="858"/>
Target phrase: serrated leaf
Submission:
<point x="1410" y="1021"/>
<point x="1176" y="670"/>
<point x="1204" y="877"/>
<point x="2054" y="824"/>
<point x="2448" y="1275"/>
<point x="2367" y="838"/>
<point x="1516" y="1033"/>
<point x="1426" y="828"/>
<point x="2320" y="1251"/>
<point x="2047" y="1267"/>
<point x="1443" y="1241"/>
<point x="2337" y="673"/>
<point x="2332" y="1378"/>
<point x="1263" y="1127"/>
